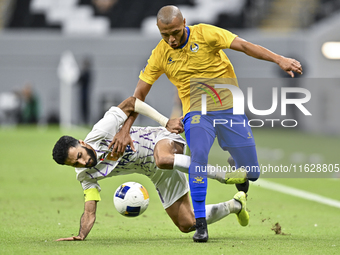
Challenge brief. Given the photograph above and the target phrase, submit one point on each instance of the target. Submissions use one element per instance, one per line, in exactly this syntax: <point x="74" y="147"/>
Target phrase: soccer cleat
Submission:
<point x="201" y="234"/>
<point x="231" y="161"/>
<point x="243" y="186"/>
<point x="242" y="215"/>
<point x="237" y="176"/>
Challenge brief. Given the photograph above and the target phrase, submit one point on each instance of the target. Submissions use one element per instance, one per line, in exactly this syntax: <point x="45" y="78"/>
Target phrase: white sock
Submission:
<point x="217" y="212"/>
<point x="182" y="163"/>
<point x="216" y="174"/>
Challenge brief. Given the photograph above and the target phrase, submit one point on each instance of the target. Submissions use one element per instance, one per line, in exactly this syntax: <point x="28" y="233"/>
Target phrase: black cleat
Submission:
<point x="243" y="186"/>
<point x="201" y="234"/>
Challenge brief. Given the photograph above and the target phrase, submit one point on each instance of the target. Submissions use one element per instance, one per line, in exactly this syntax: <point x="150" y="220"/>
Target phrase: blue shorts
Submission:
<point x="231" y="130"/>
<point x="233" y="134"/>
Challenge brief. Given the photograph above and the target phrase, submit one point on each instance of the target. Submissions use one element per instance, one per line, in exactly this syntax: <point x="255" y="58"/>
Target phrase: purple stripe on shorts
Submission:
<point x="160" y="195"/>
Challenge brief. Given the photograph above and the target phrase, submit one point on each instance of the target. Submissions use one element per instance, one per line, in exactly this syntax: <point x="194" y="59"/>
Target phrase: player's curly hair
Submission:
<point x="60" y="150"/>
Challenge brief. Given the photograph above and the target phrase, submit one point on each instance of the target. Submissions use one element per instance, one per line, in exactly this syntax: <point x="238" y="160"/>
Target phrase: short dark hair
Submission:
<point x="60" y="150"/>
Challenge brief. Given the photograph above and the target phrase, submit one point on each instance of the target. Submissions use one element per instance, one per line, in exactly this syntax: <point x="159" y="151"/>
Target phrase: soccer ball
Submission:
<point x="131" y="199"/>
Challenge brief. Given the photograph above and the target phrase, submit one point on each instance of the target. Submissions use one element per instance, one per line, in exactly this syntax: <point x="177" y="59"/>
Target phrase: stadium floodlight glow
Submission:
<point x="331" y="50"/>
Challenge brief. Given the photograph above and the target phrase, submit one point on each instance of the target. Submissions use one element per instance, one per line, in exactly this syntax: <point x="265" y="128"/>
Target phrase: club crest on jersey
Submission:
<point x="194" y="47"/>
<point x="170" y="60"/>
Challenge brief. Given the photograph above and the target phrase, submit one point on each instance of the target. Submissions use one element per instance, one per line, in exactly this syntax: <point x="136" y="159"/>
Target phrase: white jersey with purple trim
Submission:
<point x="142" y="161"/>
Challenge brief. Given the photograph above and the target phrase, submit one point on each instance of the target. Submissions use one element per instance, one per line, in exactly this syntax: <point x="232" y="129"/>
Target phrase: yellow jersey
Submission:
<point x="200" y="61"/>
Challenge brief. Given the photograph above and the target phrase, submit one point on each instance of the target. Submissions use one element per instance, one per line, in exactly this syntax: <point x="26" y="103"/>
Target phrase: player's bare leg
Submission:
<point x="165" y="151"/>
<point x="183" y="216"/>
<point x="169" y="155"/>
<point x="234" y="176"/>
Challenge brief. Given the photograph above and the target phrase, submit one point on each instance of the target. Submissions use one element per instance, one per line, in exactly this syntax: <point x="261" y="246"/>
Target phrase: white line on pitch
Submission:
<point x="297" y="193"/>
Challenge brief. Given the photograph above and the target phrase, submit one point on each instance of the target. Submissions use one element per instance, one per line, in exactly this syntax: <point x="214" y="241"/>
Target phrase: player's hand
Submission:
<point x="119" y="143"/>
<point x="290" y="65"/>
<point x="72" y="238"/>
<point x="175" y="125"/>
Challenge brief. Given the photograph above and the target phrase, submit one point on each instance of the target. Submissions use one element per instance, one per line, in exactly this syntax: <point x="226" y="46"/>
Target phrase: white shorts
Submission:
<point x="165" y="134"/>
<point x="171" y="185"/>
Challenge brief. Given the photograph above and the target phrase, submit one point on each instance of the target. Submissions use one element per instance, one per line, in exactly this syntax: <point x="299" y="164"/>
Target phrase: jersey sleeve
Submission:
<point x="152" y="71"/>
<point x="90" y="184"/>
<point x="217" y="37"/>
<point x="110" y="123"/>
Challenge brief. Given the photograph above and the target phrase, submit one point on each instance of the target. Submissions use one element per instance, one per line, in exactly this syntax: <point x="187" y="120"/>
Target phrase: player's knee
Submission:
<point x="185" y="223"/>
<point x="186" y="227"/>
<point x="253" y="176"/>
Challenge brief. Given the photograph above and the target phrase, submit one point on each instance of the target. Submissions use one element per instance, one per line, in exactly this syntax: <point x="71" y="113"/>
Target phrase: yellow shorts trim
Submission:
<point x="91" y="194"/>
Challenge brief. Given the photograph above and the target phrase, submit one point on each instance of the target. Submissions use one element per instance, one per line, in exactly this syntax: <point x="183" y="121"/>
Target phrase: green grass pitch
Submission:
<point x="41" y="201"/>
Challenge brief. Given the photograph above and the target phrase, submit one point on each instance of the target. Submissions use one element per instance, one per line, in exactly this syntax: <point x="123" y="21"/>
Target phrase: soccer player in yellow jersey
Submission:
<point x="193" y="60"/>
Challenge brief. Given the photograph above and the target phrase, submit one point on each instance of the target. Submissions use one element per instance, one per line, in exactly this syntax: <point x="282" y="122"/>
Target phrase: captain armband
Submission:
<point x="91" y="194"/>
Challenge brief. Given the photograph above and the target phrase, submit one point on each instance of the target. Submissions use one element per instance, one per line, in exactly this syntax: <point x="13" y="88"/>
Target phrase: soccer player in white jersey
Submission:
<point x="157" y="154"/>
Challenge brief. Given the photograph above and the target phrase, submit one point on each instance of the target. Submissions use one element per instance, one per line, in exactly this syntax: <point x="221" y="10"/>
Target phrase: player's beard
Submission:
<point x="92" y="156"/>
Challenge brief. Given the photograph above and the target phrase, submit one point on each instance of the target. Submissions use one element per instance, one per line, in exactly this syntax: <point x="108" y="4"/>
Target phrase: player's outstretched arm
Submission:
<point x="141" y="91"/>
<point x="131" y="107"/>
<point x="289" y="65"/>
<point x="86" y="222"/>
<point x="173" y="125"/>
<point x="134" y="104"/>
<point x="122" y="138"/>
